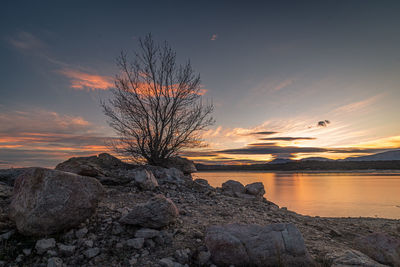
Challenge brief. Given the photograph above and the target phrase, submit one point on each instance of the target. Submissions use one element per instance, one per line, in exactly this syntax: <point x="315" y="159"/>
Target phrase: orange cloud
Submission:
<point x="81" y="80"/>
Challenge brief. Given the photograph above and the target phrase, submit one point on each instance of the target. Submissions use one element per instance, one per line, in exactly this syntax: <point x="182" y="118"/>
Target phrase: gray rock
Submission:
<point x="91" y="252"/>
<point x="144" y="179"/>
<point x="81" y="232"/>
<point x="233" y="188"/>
<point x="135" y="242"/>
<point x="255" y="245"/>
<point x="7" y="235"/>
<point x="43" y="245"/>
<point x="203" y="257"/>
<point x="380" y="247"/>
<point x="27" y="251"/>
<point x="255" y="189"/>
<point x="182" y="255"/>
<point x="350" y="258"/>
<point x="147" y="233"/>
<point x="158" y="212"/>
<point x="170" y="175"/>
<point x="117" y="229"/>
<point x="48" y="201"/>
<point x="93" y="166"/>
<point x="182" y="164"/>
<point x="54" y="262"/>
<point x="88" y="243"/>
<point x="66" y="250"/>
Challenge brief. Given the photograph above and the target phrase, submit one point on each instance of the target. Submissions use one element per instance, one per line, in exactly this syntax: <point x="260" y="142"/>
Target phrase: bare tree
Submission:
<point x="156" y="108"/>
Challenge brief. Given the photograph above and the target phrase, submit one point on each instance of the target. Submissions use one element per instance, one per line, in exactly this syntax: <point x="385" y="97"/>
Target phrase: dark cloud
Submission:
<point x="286" y="138"/>
<point x="263" y="133"/>
<point x="286" y="150"/>
<point x="198" y="154"/>
<point x="323" y="123"/>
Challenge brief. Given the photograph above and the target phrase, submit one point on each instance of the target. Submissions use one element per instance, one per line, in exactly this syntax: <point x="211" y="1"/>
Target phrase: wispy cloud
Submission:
<point x="81" y="80"/>
<point x="25" y="41"/>
<point x="358" y="105"/>
<point x="214" y="37"/>
<point x="40" y="137"/>
<point x="287" y="138"/>
<point x="282" y="85"/>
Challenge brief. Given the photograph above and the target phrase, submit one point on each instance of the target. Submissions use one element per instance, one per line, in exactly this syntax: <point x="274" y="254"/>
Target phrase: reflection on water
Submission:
<point x="324" y="194"/>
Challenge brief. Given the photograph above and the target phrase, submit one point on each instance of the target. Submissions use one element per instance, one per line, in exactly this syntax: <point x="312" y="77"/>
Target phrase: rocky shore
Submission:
<point x="99" y="211"/>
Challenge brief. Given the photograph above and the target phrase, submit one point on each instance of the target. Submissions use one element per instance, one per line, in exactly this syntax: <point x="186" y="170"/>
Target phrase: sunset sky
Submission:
<point x="289" y="79"/>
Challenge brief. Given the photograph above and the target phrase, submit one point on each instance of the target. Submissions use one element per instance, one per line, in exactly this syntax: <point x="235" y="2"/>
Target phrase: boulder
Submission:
<point x="171" y="175"/>
<point x="350" y="257"/>
<point x="48" y="201"/>
<point x="255" y="189"/>
<point x="182" y="164"/>
<point x="256" y="245"/>
<point x="144" y="179"/>
<point x="233" y="188"/>
<point x="158" y="212"/>
<point x="106" y="168"/>
<point x="380" y="247"/>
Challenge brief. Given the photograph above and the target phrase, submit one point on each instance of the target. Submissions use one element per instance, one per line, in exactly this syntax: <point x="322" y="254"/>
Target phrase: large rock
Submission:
<point x="255" y="189"/>
<point x="350" y="257"/>
<point x="183" y="164"/>
<point x="380" y="247"/>
<point x="48" y="201"/>
<point x="158" y="212"/>
<point x="256" y="245"/>
<point x="144" y="179"/>
<point x="233" y="188"/>
<point x="168" y="175"/>
<point x="106" y="168"/>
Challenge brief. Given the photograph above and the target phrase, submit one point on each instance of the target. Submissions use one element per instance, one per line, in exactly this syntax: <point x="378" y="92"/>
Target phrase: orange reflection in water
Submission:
<point x="324" y="194"/>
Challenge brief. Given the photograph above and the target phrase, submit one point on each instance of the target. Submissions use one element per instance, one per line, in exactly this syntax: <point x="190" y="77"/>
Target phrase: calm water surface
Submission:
<point x="324" y="194"/>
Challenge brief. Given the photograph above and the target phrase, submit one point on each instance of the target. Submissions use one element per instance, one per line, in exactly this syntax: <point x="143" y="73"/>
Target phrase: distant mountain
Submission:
<point x="317" y="159"/>
<point x="384" y="156"/>
<point x="280" y="161"/>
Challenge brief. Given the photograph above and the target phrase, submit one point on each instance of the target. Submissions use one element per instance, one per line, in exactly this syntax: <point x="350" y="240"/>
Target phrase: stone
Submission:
<point x="144" y="179"/>
<point x="182" y="164"/>
<point x="170" y="175"/>
<point x="66" y="250"/>
<point x="233" y="188"/>
<point x="350" y="257"/>
<point x="256" y="245"/>
<point x="203" y="257"/>
<point x="88" y="243"/>
<point x="147" y="233"/>
<point x="92" y="166"/>
<point x="380" y="247"/>
<point x="81" y="232"/>
<point x="48" y="201"/>
<point x="182" y="255"/>
<point x="158" y="212"/>
<point x="27" y="251"/>
<point x="54" y="262"/>
<point x="255" y="189"/>
<point x="135" y="242"/>
<point x="91" y="252"/>
<point x="166" y="262"/>
<point x="7" y="235"/>
<point x="43" y="245"/>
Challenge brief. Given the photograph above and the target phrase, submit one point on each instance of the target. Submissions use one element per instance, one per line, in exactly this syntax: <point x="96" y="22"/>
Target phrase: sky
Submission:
<point x="288" y="79"/>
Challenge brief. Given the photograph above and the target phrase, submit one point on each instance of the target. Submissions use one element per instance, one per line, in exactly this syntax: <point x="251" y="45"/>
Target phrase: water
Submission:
<point x="324" y="194"/>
